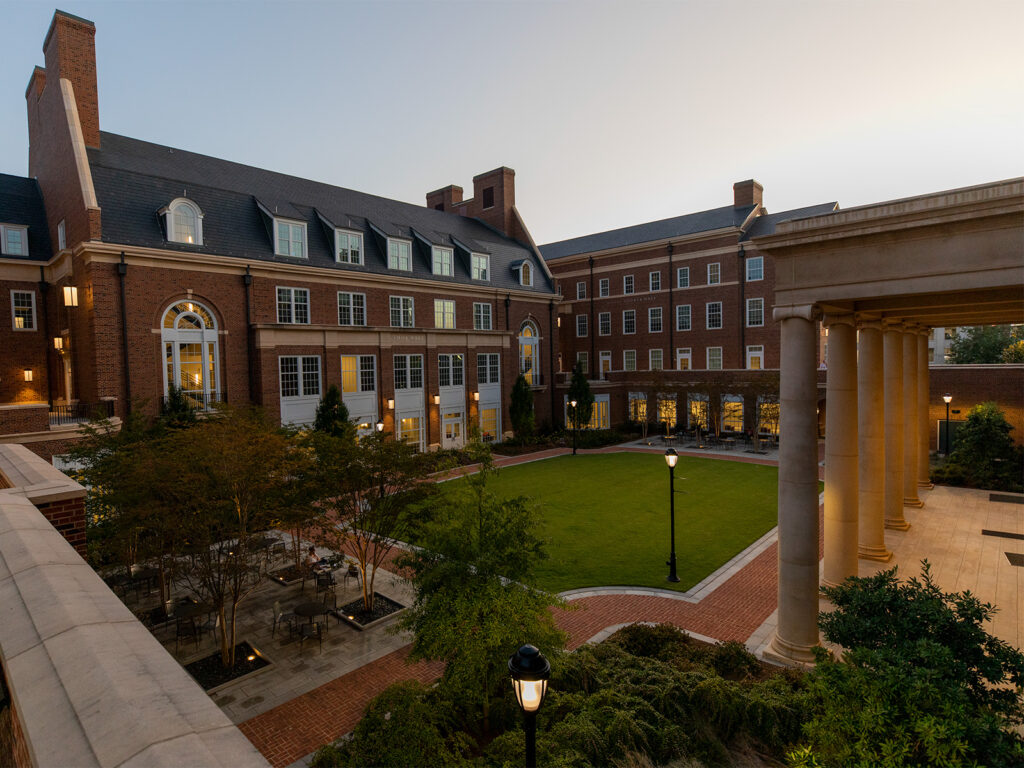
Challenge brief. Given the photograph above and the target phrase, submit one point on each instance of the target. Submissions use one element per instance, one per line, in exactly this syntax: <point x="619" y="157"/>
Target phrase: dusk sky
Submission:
<point x="611" y="114"/>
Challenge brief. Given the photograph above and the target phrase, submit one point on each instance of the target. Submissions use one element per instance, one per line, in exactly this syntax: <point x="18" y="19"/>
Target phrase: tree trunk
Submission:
<point x="226" y="651"/>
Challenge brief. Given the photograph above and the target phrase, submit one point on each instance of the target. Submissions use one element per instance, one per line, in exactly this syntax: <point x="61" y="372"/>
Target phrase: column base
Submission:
<point x="878" y="554"/>
<point x="914" y="502"/>
<point x="897" y="525"/>
<point x="926" y="485"/>
<point x="790" y="655"/>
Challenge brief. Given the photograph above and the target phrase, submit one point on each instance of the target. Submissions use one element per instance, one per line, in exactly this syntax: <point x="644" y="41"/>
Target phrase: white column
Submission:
<point x="892" y="348"/>
<point x="871" y="436"/>
<point x="911" y="441"/>
<point x="841" y="447"/>
<point x="923" y="398"/>
<point x="797" y="631"/>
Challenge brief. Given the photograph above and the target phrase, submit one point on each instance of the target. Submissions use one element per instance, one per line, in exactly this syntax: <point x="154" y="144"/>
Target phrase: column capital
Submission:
<point x="802" y="311"/>
<point x="846" y="318"/>
<point x="892" y="324"/>
<point x="869" y="322"/>
<point x="909" y="327"/>
<point x="924" y="330"/>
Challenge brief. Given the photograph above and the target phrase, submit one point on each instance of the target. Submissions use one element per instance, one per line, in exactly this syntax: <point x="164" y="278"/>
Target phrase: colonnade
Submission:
<point x="876" y="454"/>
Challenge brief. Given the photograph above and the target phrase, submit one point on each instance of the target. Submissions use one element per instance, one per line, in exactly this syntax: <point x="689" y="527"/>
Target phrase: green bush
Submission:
<point x="985" y="455"/>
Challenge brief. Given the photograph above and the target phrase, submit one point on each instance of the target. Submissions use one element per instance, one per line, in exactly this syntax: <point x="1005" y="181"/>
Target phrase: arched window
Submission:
<point x="183" y="221"/>
<point x="527" y="274"/>
<point x="529" y="353"/>
<point x="191" y="356"/>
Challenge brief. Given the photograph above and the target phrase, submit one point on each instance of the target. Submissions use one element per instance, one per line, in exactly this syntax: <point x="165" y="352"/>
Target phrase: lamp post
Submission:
<point x="573" y="404"/>
<point x="530" y="672"/>
<point x="671" y="457"/>
<point x="380" y="425"/>
<point x="948" y="398"/>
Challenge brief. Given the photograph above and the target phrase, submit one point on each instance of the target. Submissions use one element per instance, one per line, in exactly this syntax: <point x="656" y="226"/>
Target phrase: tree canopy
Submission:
<point x="984" y="343"/>
<point x="579" y="390"/>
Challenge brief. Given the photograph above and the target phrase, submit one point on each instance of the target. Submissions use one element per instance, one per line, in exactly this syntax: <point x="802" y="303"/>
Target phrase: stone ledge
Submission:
<point x="34" y="478"/>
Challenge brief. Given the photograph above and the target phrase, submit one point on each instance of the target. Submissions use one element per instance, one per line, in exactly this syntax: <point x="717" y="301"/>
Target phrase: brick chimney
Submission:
<point x="494" y="194"/>
<point x="70" y="51"/>
<point x="746" y="193"/>
<point x="446" y="199"/>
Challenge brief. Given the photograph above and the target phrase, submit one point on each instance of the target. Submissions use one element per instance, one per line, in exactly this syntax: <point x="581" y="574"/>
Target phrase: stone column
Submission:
<point x="841" y="448"/>
<point x="892" y="348"/>
<point x="911" y="417"/>
<point x="797" y="631"/>
<point x="923" y="398"/>
<point x="871" y="436"/>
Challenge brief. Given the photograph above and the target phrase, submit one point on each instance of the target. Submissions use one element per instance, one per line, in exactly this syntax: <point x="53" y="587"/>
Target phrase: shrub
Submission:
<point x="985" y="455"/>
<point x="521" y="408"/>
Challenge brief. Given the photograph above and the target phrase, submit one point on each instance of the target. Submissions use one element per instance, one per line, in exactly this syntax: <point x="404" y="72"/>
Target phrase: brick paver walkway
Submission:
<point x="732" y="612"/>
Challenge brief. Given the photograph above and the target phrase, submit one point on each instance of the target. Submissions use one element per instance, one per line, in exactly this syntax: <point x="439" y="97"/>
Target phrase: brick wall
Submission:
<point x="971" y="385"/>
<point x="68" y="517"/>
<point x="22" y="349"/>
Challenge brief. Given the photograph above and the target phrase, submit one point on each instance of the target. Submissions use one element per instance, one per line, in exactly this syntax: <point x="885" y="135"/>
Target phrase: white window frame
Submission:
<point x="755" y="305"/>
<point x="710" y="309"/>
<point x="171" y="221"/>
<point x="525" y="274"/>
<point x="582" y="326"/>
<point x="755" y="351"/>
<point x="291" y="303"/>
<point x="5" y="247"/>
<point x="660" y="354"/>
<point x="407" y="369"/>
<point x="480" y="264"/>
<point x="62" y="236"/>
<point x="581" y="289"/>
<point x="751" y="262"/>
<point x="628" y="285"/>
<point x="629" y="359"/>
<point x="628" y="313"/>
<point x="684" y="317"/>
<point x="300" y="226"/>
<point x="442" y="260"/>
<point x="714" y="273"/>
<point x="654" y="281"/>
<point x="14" y="317"/>
<point x="360" y="369"/>
<point x="489" y="364"/>
<point x="301" y="373"/>
<point x="604" y="287"/>
<point x="401" y="259"/>
<point x="352" y="309"/>
<point x="351" y="255"/>
<point x="604" y="323"/>
<point x="448" y="373"/>
<point x="404" y="310"/>
<point x="444" y="314"/>
<point x="482" y="316"/>
<point x="652" y="314"/>
<point x="583" y="361"/>
<point x="684" y="353"/>
<point x="682" y="277"/>
<point x="708" y="354"/>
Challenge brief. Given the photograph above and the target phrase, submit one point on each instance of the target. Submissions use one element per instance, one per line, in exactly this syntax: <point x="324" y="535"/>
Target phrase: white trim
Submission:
<point x="604" y="288"/>
<point x="632" y="285"/>
<point x="747" y="262"/>
<point x="291" y="223"/>
<point x="689" y="318"/>
<point x="707" y="316"/>
<point x="337" y="250"/>
<point x="412" y="312"/>
<point x="625" y="365"/>
<point x="650" y="359"/>
<point x="582" y="326"/>
<point x="435" y="262"/>
<point x="35" y="319"/>
<point x="746" y="318"/>
<point x="624" y="331"/>
<point x="489" y="316"/>
<point x="650" y="280"/>
<point x="707" y="358"/>
<point x="444" y="305"/>
<point x="650" y="319"/>
<point x="581" y="289"/>
<point x="601" y="316"/>
<point x="171" y="211"/>
<point x="5" y="229"/>
<point x="718" y="268"/>
<point x="351" y="309"/>
<point x="487" y="266"/>
<point x="291" y="303"/>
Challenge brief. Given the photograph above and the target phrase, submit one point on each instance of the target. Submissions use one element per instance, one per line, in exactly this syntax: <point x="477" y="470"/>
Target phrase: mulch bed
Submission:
<point x="286" y="576"/>
<point x="382" y="607"/>
<point x="210" y="672"/>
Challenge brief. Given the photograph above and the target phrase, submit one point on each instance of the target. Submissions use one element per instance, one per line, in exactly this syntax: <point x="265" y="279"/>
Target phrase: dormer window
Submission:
<point x="525" y="274"/>
<point x="290" y="238"/>
<point x="183" y="221"/>
<point x="400" y="255"/>
<point x="443" y="261"/>
<point x="481" y="263"/>
<point x="348" y="246"/>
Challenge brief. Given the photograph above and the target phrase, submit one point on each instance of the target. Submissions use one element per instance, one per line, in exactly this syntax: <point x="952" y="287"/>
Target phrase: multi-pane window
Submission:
<point x="291" y="238"/>
<point x="714" y="273"/>
<point x="604" y="323"/>
<point x="683" y="277"/>
<point x="654" y="319"/>
<point x="401" y="312"/>
<point x="480" y="264"/>
<point x="400" y="255"/>
<point x="638" y="407"/>
<point x="525" y="274"/>
<point x="444" y="313"/>
<point x="683" y="317"/>
<point x="755" y="268"/>
<point x="443" y="261"/>
<point x="604" y="287"/>
<point x="699" y="411"/>
<point x="714" y="355"/>
<point x="629" y="360"/>
<point x="408" y="372"/>
<point x="583" y="361"/>
<point x="481" y="316"/>
<point x="185" y="222"/>
<point x="487" y="368"/>
<point x="488" y="424"/>
<point x="358" y="373"/>
<point x="732" y="413"/>
<point x="714" y="315"/>
<point x="23" y="310"/>
<point x="627" y="284"/>
<point x="629" y="321"/>
<point x="581" y="290"/>
<point x="684" y="359"/>
<point x="450" y="370"/>
<point x="351" y="308"/>
<point x="13" y="240"/>
<point x="349" y="246"/>
<point x="581" y="325"/>
<point x="667" y="410"/>
<point x="755" y="312"/>
<point x="300" y="376"/>
<point x="755" y="357"/>
<point x="655" y="360"/>
<point x="292" y="305"/>
<point x="655" y="281"/>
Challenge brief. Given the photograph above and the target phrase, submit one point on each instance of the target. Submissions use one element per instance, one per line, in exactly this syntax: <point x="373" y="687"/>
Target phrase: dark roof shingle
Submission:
<point x="21" y="202"/>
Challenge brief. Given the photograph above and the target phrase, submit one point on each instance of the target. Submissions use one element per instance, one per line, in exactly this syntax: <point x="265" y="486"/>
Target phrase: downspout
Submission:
<point x="551" y="357"/>
<point x="508" y="303"/>
<point x="671" y="315"/>
<point x="592" y="327"/>
<point x="743" y="307"/>
<point x="122" y="270"/>
<point x="250" y="336"/>
<point x="44" y="288"/>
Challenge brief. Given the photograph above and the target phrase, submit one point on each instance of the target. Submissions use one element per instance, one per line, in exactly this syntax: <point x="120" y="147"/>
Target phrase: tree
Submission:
<point x="983" y="343"/>
<point x="521" y="408"/>
<point x="985" y="455"/>
<point x="1014" y="353"/>
<point x="176" y="411"/>
<point x="332" y="415"/>
<point x="579" y="390"/>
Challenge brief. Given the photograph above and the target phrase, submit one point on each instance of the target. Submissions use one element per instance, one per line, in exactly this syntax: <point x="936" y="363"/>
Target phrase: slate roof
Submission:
<point x="21" y="202"/>
<point x="677" y="226"/>
<point x="765" y="225"/>
<point x="135" y="179"/>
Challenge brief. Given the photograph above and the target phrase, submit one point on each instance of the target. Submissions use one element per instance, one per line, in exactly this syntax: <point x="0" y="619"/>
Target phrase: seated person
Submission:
<point x="312" y="558"/>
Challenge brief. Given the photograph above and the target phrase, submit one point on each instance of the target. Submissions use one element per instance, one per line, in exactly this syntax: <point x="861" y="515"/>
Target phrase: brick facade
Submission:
<point x="68" y="517"/>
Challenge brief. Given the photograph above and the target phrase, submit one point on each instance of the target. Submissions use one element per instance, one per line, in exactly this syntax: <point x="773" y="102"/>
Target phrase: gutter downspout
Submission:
<point x="44" y="288"/>
<point x="743" y="306"/>
<point x="250" y="336"/>
<point x="551" y="357"/>
<point x="671" y="315"/>
<point x="122" y="270"/>
<point x="592" y="329"/>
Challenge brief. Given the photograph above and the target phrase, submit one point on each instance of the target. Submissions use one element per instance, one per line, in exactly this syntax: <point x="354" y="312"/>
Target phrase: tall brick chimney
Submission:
<point x="446" y="199"/>
<point x="494" y="195"/>
<point x="70" y="51"/>
<point x="746" y="193"/>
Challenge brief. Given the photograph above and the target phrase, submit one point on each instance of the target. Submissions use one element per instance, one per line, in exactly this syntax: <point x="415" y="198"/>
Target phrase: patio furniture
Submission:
<point x="281" y="616"/>
<point x="352" y="572"/>
<point x="324" y="582"/>
<point x="311" y="630"/>
<point x="308" y="610"/>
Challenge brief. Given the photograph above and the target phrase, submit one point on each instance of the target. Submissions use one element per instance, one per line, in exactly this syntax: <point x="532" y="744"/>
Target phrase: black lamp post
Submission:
<point x="380" y="425"/>
<point x="530" y="672"/>
<point x="573" y="404"/>
<point x="671" y="457"/>
<point x="948" y="398"/>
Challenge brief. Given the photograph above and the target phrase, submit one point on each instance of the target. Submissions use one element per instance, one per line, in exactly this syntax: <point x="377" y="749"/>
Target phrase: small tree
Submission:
<point x="332" y="415"/>
<point x="1014" y="353"/>
<point x="985" y="455"/>
<point x="521" y="408"/>
<point x="579" y="390"/>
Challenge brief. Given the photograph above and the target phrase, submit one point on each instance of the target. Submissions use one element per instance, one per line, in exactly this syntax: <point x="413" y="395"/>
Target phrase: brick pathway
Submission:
<point x="732" y="612"/>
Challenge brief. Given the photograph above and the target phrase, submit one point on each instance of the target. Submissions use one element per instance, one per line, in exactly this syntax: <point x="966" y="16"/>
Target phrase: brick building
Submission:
<point x="129" y="268"/>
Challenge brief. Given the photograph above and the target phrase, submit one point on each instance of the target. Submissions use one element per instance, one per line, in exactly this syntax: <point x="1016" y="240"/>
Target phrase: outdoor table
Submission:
<point x="308" y="610"/>
<point x="729" y="443"/>
<point x="190" y="610"/>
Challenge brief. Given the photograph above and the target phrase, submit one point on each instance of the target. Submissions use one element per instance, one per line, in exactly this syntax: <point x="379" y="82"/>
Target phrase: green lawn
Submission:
<point x="607" y="516"/>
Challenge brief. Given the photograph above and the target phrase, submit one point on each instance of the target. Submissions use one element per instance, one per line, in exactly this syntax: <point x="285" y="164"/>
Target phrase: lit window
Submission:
<point x="410" y="430"/>
<point x="629" y="321"/>
<point x="655" y="281"/>
<point x="399" y="255"/>
<point x="732" y="413"/>
<point x="604" y="287"/>
<point x="684" y="360"/>
<point x="755" y="357"/>
<point x="667" y="409"/>
<point x="583" y="361"/>
<point x="638" y="407"/>
<point x="23" y="310"/>
<point x="481" y="316"/>
<point x="349" y="246"/>
<point x="581" y="290"/>
<point x="683" y="277"/>
<point x="487" y="368"/>
<point x="714" y="355"/>
<point x="481" y="264"/>
<point x="401" y="312"/>
<point x="767" y="415"/>
<point x="529" y="353"/>
<point x="655" y="360"/>
<point x="13" y="240"/>
<point x="444" y="313"/>
<point x="714" y="315"/>
<point x="488" y="424"/>
<point x="358" y="373"/>
<point x="629" y="360"/>
<point x="183" y="222"/>
<point x="604" y="323"/>
<point x="450" y="370"/>
<point x="525" y="274"/>
<point x="581" y="325"/>
<point x="443" y="260"/>
<point x="408" y="372"/>
<point x="755" y="312"/>
<point x="654" y="319"/>
<point x="627" y="284"/>
<point x="290" y="238"/>
<point x="714" y="273"/>
<point x="351" y="308"/>
<point x="292" y="305"/>
<point x="683" y="317"/>
<point x="755" y="268"/>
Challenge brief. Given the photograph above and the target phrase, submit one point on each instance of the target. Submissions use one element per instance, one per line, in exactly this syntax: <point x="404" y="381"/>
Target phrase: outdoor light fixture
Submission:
<point x="58" y="343"/>
<point x="28" y="374"/>
<point x="391" y="404"/>
<point x="251" y="657"/>
<point x="573" y="404"/>
<point x="380" y="425"/>
<point x="530" y="672"/>
<point x="70" y="296"/>
<point x="671" y="457"/>
<point x="476" y="397"/>
<point x="437" y="399"/>
<point x="947" y="399"/>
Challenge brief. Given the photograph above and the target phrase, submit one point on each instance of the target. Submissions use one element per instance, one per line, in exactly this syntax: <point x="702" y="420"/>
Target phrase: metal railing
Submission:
<point x="75" y="413"/>
<point x="201" y="401"/>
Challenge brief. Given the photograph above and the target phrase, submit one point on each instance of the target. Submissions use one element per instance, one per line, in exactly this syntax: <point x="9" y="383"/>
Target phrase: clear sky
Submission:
<point x="611" y="113"/>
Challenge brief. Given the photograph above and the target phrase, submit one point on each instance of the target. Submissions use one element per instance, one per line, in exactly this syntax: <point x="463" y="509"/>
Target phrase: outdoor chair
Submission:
<point x="324" y="582"/>
<point x="352" y="573"/>
<point x="209" y="626"/>
<point x="185" y="629"/>
<point x="309" y="631"/>
<point x="281" y="616"/>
